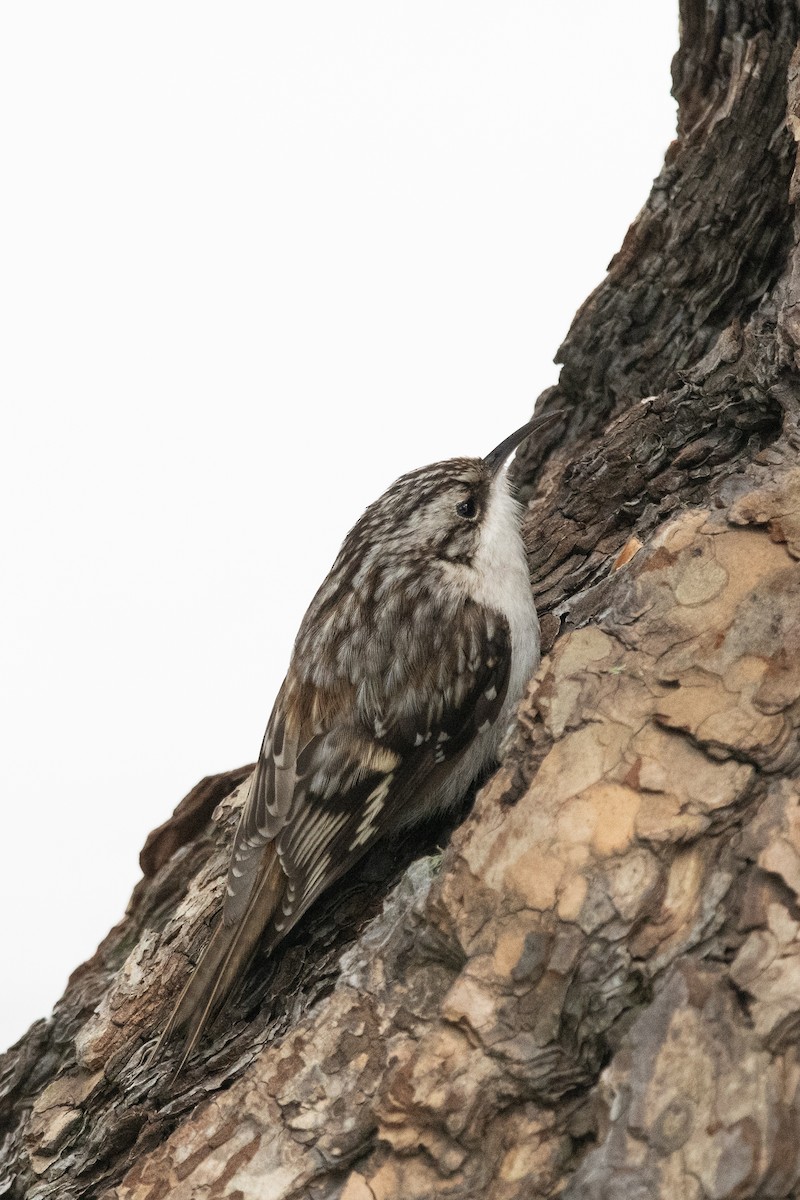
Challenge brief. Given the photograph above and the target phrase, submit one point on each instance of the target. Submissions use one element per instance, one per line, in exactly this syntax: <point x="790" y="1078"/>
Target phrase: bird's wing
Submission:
<point x="335" y="771"/>
<point x="269" y="802"/>
<point x="322" y="796"/>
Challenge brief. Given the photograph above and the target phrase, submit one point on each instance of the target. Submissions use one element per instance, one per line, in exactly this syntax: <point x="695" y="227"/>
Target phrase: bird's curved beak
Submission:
<point x="494" y="461"/>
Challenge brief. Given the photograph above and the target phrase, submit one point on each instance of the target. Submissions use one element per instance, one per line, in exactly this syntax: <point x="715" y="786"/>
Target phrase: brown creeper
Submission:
<point x="404" y="676"/>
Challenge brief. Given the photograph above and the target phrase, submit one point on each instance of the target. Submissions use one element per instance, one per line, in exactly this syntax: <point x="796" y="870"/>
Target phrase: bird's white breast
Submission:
<point x="501" y="582"/>
<point x="498" y="579"/>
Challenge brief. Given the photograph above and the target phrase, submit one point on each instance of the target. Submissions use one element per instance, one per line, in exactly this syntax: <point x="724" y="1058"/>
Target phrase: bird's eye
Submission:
<point x="467" y="508"/>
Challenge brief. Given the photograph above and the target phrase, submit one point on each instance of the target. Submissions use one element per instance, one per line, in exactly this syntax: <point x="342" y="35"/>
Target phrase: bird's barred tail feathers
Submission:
<point x="221" y="965"/>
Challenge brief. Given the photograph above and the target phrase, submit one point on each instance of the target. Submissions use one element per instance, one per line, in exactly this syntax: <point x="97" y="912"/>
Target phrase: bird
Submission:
<point x="404" y="676"/>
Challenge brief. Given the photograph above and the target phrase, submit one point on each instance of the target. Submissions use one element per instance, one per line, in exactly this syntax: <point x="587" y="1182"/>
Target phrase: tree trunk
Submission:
<point x="595" y="990"/>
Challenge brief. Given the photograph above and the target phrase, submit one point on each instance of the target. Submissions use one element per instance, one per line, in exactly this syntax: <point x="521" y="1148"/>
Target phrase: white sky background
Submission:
<point x="256" y="260"/>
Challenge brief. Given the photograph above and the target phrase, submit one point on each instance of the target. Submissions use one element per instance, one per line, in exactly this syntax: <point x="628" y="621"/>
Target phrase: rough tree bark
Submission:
<point x="595" y="990"/>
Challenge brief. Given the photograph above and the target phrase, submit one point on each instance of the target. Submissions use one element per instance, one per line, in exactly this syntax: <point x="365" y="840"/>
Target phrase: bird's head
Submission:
<point x="443" y="511"/>
<point x="438" y="534"/>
